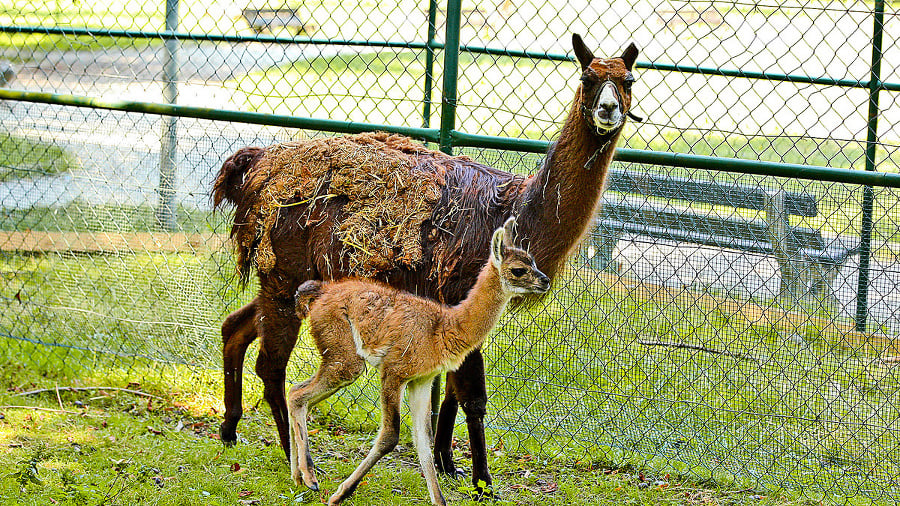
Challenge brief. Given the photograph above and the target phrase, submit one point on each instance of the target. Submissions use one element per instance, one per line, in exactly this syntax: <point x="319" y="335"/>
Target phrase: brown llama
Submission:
<point x="303" y="209"/>
<point x="409" y="339"/>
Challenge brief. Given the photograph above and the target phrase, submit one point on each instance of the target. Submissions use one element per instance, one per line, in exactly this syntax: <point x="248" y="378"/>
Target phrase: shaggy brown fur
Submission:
<point x="308" y="226"/>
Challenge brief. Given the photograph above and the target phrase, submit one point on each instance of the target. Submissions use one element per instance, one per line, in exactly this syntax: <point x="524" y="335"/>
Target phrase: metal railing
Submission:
<point x="452" y="57"/>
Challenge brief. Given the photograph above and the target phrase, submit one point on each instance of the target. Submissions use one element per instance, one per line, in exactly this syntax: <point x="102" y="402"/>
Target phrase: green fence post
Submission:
<point x="451" y="72"/>
<point x="426" y="122"/>
<point x="429" y="62"/>
<point x="448" y="117"/>
<point x="166" y="213"/>
<point x="865" y="235"/>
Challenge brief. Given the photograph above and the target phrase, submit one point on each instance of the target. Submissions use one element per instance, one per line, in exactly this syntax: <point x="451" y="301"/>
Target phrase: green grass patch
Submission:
<point x="22" y="158"/>
<point x="568" y="380"/>
<point x="83" y="217"/>
<point x="386" y="88"/>
<point x="133" y="15"/>
<point x="104" y="446"/>
<point x="26" y="44"/>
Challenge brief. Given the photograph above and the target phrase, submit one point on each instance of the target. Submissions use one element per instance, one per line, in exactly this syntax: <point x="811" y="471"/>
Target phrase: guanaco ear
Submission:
<point x="584" y="55"/>
<point x="497" y="247"/>
<point x="630" y="55"/>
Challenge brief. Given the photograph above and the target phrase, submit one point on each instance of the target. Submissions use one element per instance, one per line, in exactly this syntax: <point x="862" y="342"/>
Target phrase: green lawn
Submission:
<point x="810" y="418"/>
<point x="22" y="158"/>
<point x="83" y="217"/>
<point x="387" y="88"/>
<point x="134" y="15"/>
<point x="106" y="446"/>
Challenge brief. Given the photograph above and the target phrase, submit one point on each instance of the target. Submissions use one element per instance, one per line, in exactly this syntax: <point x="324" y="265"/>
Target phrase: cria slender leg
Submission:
<point x="388" y="437"/>
<point x="419" y="407"/>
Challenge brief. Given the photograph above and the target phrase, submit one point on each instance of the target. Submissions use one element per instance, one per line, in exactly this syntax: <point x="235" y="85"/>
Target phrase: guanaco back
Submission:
<point x="410" y="339"/>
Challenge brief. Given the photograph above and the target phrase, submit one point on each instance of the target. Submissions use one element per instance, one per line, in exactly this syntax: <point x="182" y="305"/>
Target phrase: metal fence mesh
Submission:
<point x="673" y="339"/>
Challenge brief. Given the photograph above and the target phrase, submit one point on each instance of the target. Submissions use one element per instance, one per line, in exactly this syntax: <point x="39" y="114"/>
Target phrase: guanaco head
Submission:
<point x="605" y="87"/>
<point x="518" y="274"/>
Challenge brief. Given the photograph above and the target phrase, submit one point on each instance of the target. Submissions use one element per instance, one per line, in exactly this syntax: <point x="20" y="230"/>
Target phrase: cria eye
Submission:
<point x="518" y="271"/>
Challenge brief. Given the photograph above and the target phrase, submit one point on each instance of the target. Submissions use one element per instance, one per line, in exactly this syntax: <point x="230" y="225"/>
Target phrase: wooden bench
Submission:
<point x="261" y="20"/>
<point x="808" y="262"/>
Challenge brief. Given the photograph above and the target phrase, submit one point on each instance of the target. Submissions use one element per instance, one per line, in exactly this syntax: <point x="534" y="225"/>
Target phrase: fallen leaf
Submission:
<point x="235" y="467"/>
<point x="154" y="431"/>
<point x="549" y="488"/>
<point x="245" y="493"/>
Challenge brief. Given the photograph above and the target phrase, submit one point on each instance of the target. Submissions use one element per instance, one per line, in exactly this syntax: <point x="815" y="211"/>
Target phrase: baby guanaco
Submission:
<point x="409" y="339"/>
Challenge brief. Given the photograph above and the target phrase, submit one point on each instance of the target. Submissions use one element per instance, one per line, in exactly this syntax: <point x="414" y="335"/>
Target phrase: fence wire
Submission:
<point x="713" y="324"/>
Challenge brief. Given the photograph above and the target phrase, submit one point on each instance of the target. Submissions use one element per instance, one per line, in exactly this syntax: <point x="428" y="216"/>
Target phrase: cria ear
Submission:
<point x="509" y="229"/>
<point x="630" y="55"/>
<point x="584" y="55"/>
<point x="497" y="247"/>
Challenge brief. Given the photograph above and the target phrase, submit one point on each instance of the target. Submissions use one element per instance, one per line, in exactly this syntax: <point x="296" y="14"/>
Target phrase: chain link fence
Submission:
<point x="721" y="322"/>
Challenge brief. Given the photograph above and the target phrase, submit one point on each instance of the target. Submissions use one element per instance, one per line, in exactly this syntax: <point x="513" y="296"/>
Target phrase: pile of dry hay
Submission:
<point x="392" y="184"/>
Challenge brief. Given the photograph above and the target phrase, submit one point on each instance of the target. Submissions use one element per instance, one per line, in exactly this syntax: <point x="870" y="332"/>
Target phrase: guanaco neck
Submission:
<point x="559" y="202"/>
<point x="469" y="322"/>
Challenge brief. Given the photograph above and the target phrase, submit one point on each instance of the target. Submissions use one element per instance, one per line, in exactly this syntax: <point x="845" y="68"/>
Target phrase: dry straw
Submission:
<point x="389" y="185"/>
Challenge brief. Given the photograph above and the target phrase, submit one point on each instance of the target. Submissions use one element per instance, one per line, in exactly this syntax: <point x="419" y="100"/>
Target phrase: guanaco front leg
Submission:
<point x="419" y="410"/>
<point x="388" y="437"/>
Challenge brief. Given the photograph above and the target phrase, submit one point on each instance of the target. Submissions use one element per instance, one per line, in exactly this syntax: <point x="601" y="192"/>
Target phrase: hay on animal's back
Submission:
<point x="389" y="181"/>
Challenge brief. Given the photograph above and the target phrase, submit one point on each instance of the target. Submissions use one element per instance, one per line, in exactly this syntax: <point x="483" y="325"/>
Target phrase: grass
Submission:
<point x="112" y="447"/>
<point x="82" y="217"/>
<point x="22" y="158"/>
<point x="570" y="386"/>
<point x="135" y="15"/>
<point x="386" y="87"/>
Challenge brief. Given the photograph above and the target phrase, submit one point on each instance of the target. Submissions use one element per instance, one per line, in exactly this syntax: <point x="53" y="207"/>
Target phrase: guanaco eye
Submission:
<point x="589" y="79"/>
<point x="518" y="271"/>
<point x="629" y="80"/>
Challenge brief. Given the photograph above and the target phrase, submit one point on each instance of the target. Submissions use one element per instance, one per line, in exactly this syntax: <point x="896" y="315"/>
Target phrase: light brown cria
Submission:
<point x="389" y="181"/>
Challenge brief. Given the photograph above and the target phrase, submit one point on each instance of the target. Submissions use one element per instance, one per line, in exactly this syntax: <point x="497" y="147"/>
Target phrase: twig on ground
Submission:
<point x="58" y="398"/>
<point x="740" y="356"/>
<point x="87" y="389"/>
<point x="742" y="491"/>
<point x="54" y="410"/>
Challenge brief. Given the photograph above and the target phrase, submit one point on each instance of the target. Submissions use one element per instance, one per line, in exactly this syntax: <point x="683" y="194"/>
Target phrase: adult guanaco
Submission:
<point x="410" y="339"/>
